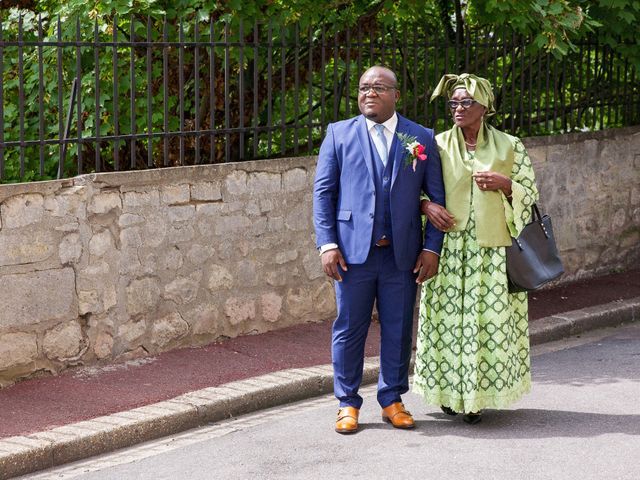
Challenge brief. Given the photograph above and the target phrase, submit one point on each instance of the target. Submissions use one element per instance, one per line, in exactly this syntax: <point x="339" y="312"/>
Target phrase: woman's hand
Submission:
<point x="491" y="181"/>
<point x="438" y="215"/>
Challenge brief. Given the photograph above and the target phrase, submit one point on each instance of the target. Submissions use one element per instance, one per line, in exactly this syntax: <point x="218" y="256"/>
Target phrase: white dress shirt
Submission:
<point x="389" y="130"/>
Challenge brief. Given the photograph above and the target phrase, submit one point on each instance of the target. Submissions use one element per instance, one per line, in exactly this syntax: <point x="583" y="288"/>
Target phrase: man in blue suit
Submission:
<point x="366" y="211"/>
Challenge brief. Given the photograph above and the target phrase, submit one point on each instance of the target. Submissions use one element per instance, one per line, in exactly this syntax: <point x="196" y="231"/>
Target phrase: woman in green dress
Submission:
<point x="473" y="338"/>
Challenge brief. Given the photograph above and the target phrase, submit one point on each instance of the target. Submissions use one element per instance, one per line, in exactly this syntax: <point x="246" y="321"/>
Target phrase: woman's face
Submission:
<point x="470" y="117"/>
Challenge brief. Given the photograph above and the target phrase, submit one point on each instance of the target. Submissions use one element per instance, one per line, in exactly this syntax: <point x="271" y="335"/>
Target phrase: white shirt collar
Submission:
<point x="390" y="125"/>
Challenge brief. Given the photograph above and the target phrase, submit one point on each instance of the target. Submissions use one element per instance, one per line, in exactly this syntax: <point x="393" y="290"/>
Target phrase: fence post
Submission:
<point x="65" y="134"/>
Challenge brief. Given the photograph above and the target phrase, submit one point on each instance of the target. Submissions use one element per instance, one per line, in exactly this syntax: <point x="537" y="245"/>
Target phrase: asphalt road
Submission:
<point x="581" y="421"/>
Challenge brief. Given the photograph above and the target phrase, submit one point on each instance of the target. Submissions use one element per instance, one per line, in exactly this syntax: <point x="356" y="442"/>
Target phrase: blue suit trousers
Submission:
<point x="394" y="292"/>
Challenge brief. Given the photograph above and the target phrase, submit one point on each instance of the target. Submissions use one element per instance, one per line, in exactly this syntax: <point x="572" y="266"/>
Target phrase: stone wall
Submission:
<point x="590" y="185"/>
<point x="109" y="267"/>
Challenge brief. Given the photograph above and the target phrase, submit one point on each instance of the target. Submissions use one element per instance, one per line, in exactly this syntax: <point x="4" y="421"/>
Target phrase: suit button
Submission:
<point x="371" y="215"/>
<point x="385" y="179"/>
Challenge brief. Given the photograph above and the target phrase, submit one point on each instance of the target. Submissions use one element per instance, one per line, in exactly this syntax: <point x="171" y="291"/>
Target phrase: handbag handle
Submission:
<point x="537" y="217"/>
<point x="535" y="214"/>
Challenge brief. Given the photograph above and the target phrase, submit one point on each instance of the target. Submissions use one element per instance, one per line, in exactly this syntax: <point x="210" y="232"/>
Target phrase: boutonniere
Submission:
<point x="415" y="149"/>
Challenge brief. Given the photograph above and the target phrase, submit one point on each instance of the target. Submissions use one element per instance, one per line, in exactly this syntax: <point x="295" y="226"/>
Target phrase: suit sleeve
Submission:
<point x="325" y="191"/>
<point x="433" y="186"/>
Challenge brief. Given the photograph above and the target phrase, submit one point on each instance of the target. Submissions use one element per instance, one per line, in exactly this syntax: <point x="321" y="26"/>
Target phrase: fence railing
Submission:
<point x="85" y="96"/>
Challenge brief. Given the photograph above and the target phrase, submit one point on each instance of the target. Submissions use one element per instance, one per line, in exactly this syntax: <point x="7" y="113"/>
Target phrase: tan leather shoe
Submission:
<point x="398" y="416"/>
<point x="347" y="421"/>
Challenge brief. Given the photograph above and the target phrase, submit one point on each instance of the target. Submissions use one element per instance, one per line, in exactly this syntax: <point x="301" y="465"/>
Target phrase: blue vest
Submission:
<point x="382" y="181"/>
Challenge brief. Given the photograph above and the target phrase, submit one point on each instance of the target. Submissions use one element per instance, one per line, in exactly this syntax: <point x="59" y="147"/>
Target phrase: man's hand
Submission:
<point x="426" y="266"/>
<point x="330" y="261"/>
<point x="438" y="215"/>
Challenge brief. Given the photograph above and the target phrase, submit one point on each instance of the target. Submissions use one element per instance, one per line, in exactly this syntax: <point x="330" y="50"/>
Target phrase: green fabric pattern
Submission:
<point x="473" y="336"/>
<point x="494" y="152"/>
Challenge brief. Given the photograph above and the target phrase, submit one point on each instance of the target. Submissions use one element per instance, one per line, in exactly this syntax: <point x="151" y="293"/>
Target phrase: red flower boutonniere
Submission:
<point x="415" y="149"/>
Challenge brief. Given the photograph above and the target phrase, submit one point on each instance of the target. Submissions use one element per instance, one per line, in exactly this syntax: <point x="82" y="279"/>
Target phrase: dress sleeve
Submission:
<point x="524" y="192"/>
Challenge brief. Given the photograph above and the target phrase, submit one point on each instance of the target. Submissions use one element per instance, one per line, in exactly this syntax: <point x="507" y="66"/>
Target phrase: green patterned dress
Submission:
<point x="473" y="335"/>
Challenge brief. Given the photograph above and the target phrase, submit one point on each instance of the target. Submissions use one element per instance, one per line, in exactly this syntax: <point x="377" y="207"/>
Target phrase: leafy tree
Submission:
<point x="323" y="69"/>
<point x="617" y="23"/>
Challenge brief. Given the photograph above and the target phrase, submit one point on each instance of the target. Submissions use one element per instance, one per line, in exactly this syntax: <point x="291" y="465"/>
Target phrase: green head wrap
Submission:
<point x="479" y="88"/>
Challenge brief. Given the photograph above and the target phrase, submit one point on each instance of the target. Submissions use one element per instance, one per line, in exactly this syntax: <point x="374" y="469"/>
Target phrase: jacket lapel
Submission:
<point x="365" y="145"/>
<point x="397" y="148"/>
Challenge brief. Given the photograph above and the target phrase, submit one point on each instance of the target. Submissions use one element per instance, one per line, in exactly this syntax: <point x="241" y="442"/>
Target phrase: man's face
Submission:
<point x="378" y="106"/>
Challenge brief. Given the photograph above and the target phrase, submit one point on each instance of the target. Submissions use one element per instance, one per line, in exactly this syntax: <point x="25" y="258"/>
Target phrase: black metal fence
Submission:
<point x="78" y="96"/>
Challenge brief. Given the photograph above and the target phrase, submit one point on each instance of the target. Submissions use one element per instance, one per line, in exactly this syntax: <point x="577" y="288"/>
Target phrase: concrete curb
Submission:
<point x="566" y="324"/>
<point x="21" y="455"/>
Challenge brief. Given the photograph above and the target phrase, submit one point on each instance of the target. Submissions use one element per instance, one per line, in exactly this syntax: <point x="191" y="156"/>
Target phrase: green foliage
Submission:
<point x="555" y="23"/>
<point x="619" y="22"/>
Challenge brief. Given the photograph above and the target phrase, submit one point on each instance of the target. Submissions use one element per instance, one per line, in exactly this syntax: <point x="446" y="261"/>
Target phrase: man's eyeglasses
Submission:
<point x="466" y="103"/>
<point x="379" y="89"/>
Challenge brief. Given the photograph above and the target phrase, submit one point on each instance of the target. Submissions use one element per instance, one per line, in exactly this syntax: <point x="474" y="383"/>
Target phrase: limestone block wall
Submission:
<point x="107" y="267"/>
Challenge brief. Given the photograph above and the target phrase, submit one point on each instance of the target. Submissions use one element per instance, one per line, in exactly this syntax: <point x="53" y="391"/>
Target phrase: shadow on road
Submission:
<point x="525" y="423"/>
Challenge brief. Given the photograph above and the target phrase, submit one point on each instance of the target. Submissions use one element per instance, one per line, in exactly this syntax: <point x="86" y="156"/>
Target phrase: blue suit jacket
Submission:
<point x="344" y="192"/>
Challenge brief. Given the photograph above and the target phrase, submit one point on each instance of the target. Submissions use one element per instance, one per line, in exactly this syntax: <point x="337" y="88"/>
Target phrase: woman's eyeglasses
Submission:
<point x="379" y="89"/>
<point x="466" y="103"/>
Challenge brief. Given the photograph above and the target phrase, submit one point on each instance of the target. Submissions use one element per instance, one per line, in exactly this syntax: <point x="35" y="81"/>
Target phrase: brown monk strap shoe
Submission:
<point x="347" y="421"/>
<point x="398" y="416"/>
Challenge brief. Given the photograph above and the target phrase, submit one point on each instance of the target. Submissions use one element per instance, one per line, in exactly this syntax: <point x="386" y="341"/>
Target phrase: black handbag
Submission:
<point x="532" y="258"/>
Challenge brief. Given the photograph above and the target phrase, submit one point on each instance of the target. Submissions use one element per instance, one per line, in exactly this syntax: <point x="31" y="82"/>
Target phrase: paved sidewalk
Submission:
<point x="87" y="411"/>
